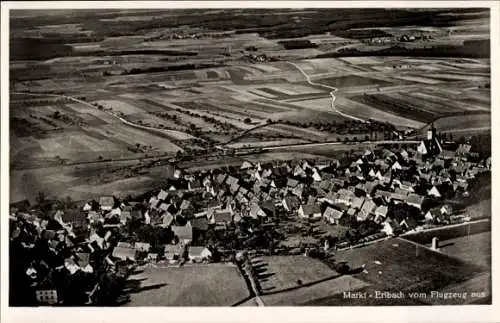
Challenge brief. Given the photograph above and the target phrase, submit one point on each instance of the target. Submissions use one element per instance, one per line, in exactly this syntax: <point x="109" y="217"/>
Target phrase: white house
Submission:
<point x="434" y="192"/>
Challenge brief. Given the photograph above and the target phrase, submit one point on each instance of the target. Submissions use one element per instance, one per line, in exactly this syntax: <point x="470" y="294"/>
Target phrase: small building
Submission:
<point x="408" y="224"/>
<point x="308" y="211"/>
<point x="434" y="192"/>
<point x="415" y="200"/>
<point x="142" y="246"/>
<point x="332" y="215"/>
<point x="106" y="203"/>
<point x="173" y="252"/>
<point x="199" y="254"/>
<point x="184" y="233"/>
<point x="46" y="296"/>
<point x="291" y="203"/>
<point x="153" y="257"/>
<point x="380" y="213"/>
<point x="162" y="195"/>
<point x="123" y="252"/>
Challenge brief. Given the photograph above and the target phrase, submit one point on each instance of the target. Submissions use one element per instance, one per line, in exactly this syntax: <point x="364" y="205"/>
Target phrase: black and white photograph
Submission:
<point x="248" y="156"/>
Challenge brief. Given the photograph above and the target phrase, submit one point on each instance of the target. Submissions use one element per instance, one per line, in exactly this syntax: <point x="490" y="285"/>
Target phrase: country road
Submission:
<point x="333" y="90"/>
<point x="176" y="135"/>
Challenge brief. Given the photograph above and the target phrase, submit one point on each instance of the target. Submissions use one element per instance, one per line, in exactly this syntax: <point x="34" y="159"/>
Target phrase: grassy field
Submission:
<point x="406" y="268"/>
<point x="279" y="273"/>
<point x="475" y="249"/>
<point x="190" y="285"/>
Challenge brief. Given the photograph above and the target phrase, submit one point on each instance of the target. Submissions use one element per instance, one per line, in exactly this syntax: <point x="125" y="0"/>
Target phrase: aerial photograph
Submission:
<point x="249" y="157"/>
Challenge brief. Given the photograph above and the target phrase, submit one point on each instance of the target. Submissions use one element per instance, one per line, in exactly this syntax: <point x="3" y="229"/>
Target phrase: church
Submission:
<point x="432" y="146"/>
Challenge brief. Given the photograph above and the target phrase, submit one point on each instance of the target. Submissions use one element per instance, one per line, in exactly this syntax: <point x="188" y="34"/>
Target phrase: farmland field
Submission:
<point x="190" y="285"/>
<point x="280" y="273"/>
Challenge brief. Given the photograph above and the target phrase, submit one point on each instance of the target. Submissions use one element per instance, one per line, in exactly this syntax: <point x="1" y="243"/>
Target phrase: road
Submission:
<point x="332" y="91"/>
<point x="380" y="142"/>
<point x="176" y="135"/>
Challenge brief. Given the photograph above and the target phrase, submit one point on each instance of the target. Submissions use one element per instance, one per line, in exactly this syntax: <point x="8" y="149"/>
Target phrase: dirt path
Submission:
<point x="333" y="90"/>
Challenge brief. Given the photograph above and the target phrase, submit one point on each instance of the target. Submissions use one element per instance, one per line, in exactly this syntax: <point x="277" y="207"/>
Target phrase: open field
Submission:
<point x="406" y="268"/>
<point x="280" y="273"/>
<point x="190" y="285"/>
<point x="475" y="249"/>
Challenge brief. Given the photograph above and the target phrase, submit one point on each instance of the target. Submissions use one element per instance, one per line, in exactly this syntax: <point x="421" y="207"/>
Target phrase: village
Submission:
<point x="77" y="253"/>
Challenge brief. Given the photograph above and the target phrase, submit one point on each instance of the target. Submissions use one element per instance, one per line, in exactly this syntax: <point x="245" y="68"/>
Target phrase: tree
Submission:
<point x="56" y="115"/>
<point x="247" y="120"/>
<point x="367" y="138"/>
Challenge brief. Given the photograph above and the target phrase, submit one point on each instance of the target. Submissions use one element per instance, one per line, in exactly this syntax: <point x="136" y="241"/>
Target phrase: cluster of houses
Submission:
<point x="398" y="189"/>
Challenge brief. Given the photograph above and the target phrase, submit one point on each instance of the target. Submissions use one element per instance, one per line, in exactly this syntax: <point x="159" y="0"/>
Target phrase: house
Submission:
<point x="124" y="217"/>
<point x="316" y="176"/>
<point x="446" y="210"/>
<point x="463" y="149"/>
<point x="231" y="180"/>
<point x="408" y="224"/>
<point x="332" y="215"/>
<point x="153" y="257"/>
<point x="173" y="252"/>
<point x="339" y="182"/>
<point x="221" y="217"/>
<point x="400" y="191"/>
<point x="434" y="192"/>
<point x="256" y="212"/>
<point x="234" y="188"/>
<point x="307" y="211"/>
<point x="415" y="200"/>
<point x="344" y="196"/>
<point x="390" y="227"/>
<point x="396" y="166"/>
<point x="142" y="246"/>
<point x="198" y="254"/>
<point x="106" y="203"/>
<point x="380" y="213"/>
<point x="246" y="165"/>
<point x="185" y="204"/>
<point x="357" y="202"/>
<point x="76" y="219"/>
<point x="298" y="191"/>
<point x="87" y="207"/>
<point x="124" y="252"/>
<point x="299" y="172"/>
<point x="200" y="223"/>
<point x="366" y="210"/>
<point x="221" y="178"/>
<point x="431" y="215"/>
<point x="184" y="233"/>
<point x="46" y="296"/>
<point x="166" y="219"/>
<point x="291" y="203"/>
<point x="162" y="195"/>
<point x="268" y="207"/>
<point x="292" y="183"/>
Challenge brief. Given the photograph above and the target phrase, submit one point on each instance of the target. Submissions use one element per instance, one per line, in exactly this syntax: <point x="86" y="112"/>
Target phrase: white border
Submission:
<point x="251" y="314"/>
